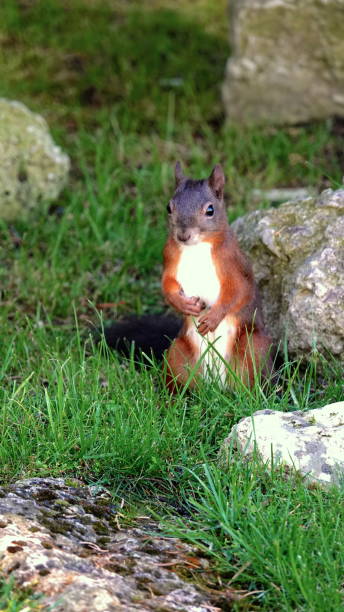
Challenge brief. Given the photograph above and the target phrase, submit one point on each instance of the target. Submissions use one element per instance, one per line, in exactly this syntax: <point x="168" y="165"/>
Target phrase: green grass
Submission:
<point x="128" y="88"/>
<point x="13" y="599"/>
<point x="284" y="540"/>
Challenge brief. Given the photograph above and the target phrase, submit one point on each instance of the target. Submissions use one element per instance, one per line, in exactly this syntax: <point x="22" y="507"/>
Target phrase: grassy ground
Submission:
<point x="13" y="599"/>
<point x="128" y="88"/>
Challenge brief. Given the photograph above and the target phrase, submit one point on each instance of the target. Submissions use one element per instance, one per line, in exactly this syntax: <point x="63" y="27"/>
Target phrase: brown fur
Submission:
<point x="238" y="298"/>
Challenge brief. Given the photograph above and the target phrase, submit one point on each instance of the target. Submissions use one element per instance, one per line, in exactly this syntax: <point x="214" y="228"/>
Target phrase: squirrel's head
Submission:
<point x="196" y="211"/>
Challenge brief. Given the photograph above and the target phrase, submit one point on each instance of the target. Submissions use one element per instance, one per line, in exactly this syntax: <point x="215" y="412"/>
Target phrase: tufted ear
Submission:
<point x="178" y="173"/>
<point x="217" y="181"/>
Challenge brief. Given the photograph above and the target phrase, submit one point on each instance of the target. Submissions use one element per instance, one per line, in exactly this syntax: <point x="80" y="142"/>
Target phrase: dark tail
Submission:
<point x="149" y="334"/>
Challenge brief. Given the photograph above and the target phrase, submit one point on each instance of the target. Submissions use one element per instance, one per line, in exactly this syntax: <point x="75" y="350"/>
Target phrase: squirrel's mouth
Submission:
<point x="188" y="237"/>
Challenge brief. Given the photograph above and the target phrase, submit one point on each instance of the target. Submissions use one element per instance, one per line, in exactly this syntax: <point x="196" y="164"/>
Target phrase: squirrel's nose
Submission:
<point x="184" y="237"/>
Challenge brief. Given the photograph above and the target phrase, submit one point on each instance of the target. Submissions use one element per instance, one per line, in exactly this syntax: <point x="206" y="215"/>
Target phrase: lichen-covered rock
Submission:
<point x="297" y="252"/>
<point x="32" y="167"/>
<point x="287" y="64"/>
<point x="310" y="442"/>
<point x="67" y="542"/>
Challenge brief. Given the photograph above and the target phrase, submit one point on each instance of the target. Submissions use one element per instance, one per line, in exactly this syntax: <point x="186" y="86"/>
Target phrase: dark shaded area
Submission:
<point x="148" y="334"/>
<point x="95" y="57"/>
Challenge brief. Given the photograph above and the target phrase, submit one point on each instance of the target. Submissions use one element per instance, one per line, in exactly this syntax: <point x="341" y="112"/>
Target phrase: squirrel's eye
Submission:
<point x="169" y="209"/>
<point x="210" y="210"/>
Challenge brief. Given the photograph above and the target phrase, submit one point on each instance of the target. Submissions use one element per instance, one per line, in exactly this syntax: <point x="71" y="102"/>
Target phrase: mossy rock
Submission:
<point x="287" y="62"/>
<point x="33" y="169"/>
<point x="297" y="252"/>
<point x="96" y="566"/>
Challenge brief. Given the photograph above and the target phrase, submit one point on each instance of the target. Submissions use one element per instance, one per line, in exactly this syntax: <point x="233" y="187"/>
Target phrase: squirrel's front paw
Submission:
<point x="186" y="305"/>
<point x="192" y="305"/>
<point x="209" y="322"/>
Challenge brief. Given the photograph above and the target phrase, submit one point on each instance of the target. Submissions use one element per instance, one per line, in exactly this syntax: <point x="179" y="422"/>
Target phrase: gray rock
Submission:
<point x="288" y="61"/>
<point x="32" y="167"/>
<point x="310" y="442"/>
<point x="66" y="541"/>
<point x="297" y="251"/>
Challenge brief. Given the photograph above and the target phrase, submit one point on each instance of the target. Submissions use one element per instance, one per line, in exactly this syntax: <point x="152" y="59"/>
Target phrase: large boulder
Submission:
<point x="68" y="542"/>
<point x="310" y="442"/>
<point x="297" y="251"/>
<point x="288" y="61"/>
<point x="32" y="167"/>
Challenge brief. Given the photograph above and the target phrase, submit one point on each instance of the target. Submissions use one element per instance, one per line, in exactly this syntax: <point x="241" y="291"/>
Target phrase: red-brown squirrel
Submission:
<point x="209" y="280"/>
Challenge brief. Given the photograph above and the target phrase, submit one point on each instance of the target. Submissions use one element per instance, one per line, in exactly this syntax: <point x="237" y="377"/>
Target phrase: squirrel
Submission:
<point x="209" y="281"/>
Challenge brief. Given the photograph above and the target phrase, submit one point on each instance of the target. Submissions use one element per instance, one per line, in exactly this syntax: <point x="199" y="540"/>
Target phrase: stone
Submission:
<point x="287" y="63"/>
<point x="297" y="252"/>
<point x="33" y="168"/>
<point x="65" y="541"/>
<point x="311" y="442"/>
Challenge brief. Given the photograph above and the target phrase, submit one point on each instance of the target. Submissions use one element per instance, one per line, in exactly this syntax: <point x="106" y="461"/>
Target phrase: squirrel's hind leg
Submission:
<point x="181" y="360"/>
<point x="252" y="356"/>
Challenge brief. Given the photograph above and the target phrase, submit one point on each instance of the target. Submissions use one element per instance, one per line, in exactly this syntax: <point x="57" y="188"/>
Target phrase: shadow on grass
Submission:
<point x="80" y="58"/>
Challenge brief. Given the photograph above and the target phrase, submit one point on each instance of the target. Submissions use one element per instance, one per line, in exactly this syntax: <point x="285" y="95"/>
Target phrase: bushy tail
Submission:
<point x="149" y="334"/>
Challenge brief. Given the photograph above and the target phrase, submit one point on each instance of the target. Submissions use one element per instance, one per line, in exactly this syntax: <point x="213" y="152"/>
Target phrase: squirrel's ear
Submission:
<point x="217" y="181"/>
<point x="178" y="173"/>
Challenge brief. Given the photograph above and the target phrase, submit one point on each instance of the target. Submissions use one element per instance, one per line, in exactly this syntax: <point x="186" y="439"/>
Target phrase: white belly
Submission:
<point x="197" y="276"/>
<point x="196" y="273"/>
<point x="214" y="350"/>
